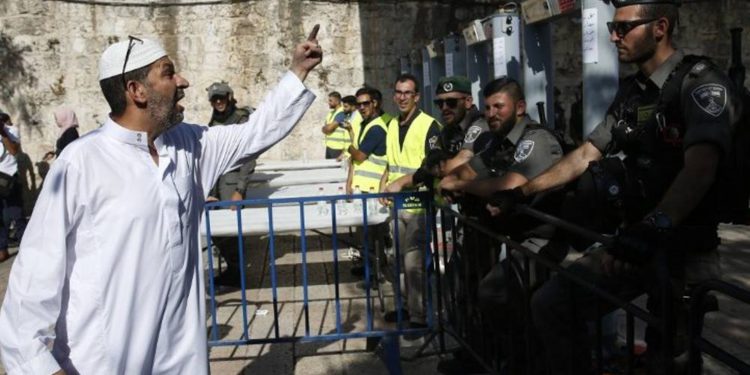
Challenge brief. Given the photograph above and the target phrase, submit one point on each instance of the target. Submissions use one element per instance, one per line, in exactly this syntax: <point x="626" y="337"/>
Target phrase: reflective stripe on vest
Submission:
<point x="339" y="139"/>
<point x="367" y="173"/>
<point x="408" y="158"/>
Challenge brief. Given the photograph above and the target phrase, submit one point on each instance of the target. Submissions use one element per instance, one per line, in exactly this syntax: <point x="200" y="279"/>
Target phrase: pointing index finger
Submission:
<point x="314" y="32"/>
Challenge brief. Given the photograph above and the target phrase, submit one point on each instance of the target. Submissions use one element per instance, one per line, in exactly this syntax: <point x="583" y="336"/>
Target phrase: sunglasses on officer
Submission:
<point x="452" y="103"/>
<point x="622" y="28"/>
<point x="364" y="103"/>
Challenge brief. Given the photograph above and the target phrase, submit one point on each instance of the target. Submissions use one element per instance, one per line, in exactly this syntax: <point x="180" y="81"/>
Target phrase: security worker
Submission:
<point x="233" y="184"/>
<point x="672" y="151"/>
<point x="410" y="137"/>
<point x="368" y="163"/>
<point x="336" y="138"/>
<point x="367" y="147"/>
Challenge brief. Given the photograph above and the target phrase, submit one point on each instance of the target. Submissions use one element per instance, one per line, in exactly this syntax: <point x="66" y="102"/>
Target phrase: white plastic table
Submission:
<point x="295" y="191"/>
<point x="297" y="177"/>
<point x="287" y="219"/>
<point x="285" y="165"/>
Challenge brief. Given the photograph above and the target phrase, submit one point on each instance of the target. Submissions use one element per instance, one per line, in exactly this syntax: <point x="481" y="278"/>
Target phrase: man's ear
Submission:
<point x="660" y="28"/>
<point x="521" y="107"/>
<point x="136" y="91"/>
<point x="468" y="102"/>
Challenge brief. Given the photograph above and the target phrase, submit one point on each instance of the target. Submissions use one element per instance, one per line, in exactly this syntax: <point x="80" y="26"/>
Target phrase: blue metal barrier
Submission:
<point x="339" y="334"/>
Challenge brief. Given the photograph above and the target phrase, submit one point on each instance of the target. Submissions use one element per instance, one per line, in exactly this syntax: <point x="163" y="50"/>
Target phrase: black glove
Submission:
<point x="506" y="200"/>
<point x="638" y="243"/>
<point x="421" y="176"/>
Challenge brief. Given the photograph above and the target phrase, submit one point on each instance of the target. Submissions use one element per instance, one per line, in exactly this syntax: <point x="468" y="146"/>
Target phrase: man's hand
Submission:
<point x="211" y="199"/>
<point x="504" y="201"/>
<point x="236" y="196"/>
<point x="393" y="187"/>
<point x="307" y="55"/>
<point x="637" y="244"/>
<point x="449" y="183"/>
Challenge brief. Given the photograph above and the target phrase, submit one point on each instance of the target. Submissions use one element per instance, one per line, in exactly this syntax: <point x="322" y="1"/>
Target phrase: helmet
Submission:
<point x="219" y="89"/>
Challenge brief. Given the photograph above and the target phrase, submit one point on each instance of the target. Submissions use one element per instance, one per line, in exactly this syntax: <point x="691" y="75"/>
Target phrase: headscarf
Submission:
<point x="66" y="119"/>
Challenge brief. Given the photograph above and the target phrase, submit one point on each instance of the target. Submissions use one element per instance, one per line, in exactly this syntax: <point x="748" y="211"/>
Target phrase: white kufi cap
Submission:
<point x="143" y="53"/>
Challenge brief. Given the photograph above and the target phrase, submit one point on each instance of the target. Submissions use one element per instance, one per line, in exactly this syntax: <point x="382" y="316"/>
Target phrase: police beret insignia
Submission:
<point x="711" y="98"/>
<point x="448" y="87"/>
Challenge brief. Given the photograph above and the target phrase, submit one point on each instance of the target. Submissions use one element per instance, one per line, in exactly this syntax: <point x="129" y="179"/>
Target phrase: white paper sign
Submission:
<point x="590" y="36"/>
<point x="426" y="73"/>
<point x="449" y="64"/>
<point x="498" y="57"/>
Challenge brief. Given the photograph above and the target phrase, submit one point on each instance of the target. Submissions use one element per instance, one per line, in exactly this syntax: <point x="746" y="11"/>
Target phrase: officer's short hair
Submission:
<point x="335" y="94"/>
<point x="504" y="84"/>
<point x="403" y="77"/>
<point x="656" y="11"/>
<point x="114" y="91"/>
<point x="349" y="99"/>
<point x="4" y="118"/>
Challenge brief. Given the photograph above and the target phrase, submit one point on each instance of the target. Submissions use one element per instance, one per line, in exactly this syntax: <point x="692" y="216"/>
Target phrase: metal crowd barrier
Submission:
<point x="389" y="337"/>
<point x="699" y="344"/>
<point x="449" y="313"/>
<point x="478" y="349"/>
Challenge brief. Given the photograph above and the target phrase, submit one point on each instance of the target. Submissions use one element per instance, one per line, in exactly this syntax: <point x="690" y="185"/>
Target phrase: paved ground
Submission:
<point x="729" y="328"/>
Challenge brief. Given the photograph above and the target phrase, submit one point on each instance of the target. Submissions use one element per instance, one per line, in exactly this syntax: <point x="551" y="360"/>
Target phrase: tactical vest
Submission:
<point x="339" y="138"/>
<point x="406" y="159"/>
<point x="368" y="172"/>
<point x="238" y="116"/>
<point x="650" y="130"/>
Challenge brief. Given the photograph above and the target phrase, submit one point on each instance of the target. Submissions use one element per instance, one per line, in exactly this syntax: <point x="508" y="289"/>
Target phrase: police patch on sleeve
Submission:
<point x="472" y="134"/>
<point x="711" y="98"/>
<point x="523" y="150"/>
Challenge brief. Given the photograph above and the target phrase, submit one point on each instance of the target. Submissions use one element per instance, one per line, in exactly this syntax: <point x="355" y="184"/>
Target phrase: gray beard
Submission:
<point x="164" y="113"/>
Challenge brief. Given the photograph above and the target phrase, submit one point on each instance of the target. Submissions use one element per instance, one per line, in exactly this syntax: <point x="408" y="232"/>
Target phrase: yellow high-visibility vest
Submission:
<point x="339" y="139"/>
<point x="367" y="173"/>
<point x="407" y="159"/>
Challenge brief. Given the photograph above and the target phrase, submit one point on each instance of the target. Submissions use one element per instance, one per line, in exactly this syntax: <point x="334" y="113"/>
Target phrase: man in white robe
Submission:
<point x="109" y="277"/>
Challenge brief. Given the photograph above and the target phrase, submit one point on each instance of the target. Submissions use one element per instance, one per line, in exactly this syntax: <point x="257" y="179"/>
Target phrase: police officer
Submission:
<point x="672" y="150"/>
<point x="515" y="150"/>
<point x="463" y="122"/>
<point x="410" y="137"/>
<point x="337" y="140"/>
<point x="233" y="184"/>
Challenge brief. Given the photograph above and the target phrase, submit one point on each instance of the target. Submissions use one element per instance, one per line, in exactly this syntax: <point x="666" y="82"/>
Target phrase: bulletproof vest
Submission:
<point x="501" y="152"/>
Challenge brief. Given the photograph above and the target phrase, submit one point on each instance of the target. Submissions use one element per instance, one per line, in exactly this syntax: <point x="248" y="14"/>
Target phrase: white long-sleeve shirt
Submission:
<point x="108" y="279"/>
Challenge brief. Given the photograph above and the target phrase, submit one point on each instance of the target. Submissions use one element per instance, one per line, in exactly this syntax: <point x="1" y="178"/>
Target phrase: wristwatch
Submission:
<point x="659" y="220"/>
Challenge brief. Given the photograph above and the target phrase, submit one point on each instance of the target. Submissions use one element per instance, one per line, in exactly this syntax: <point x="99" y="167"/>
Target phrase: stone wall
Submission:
<point x="49" y="51"/>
